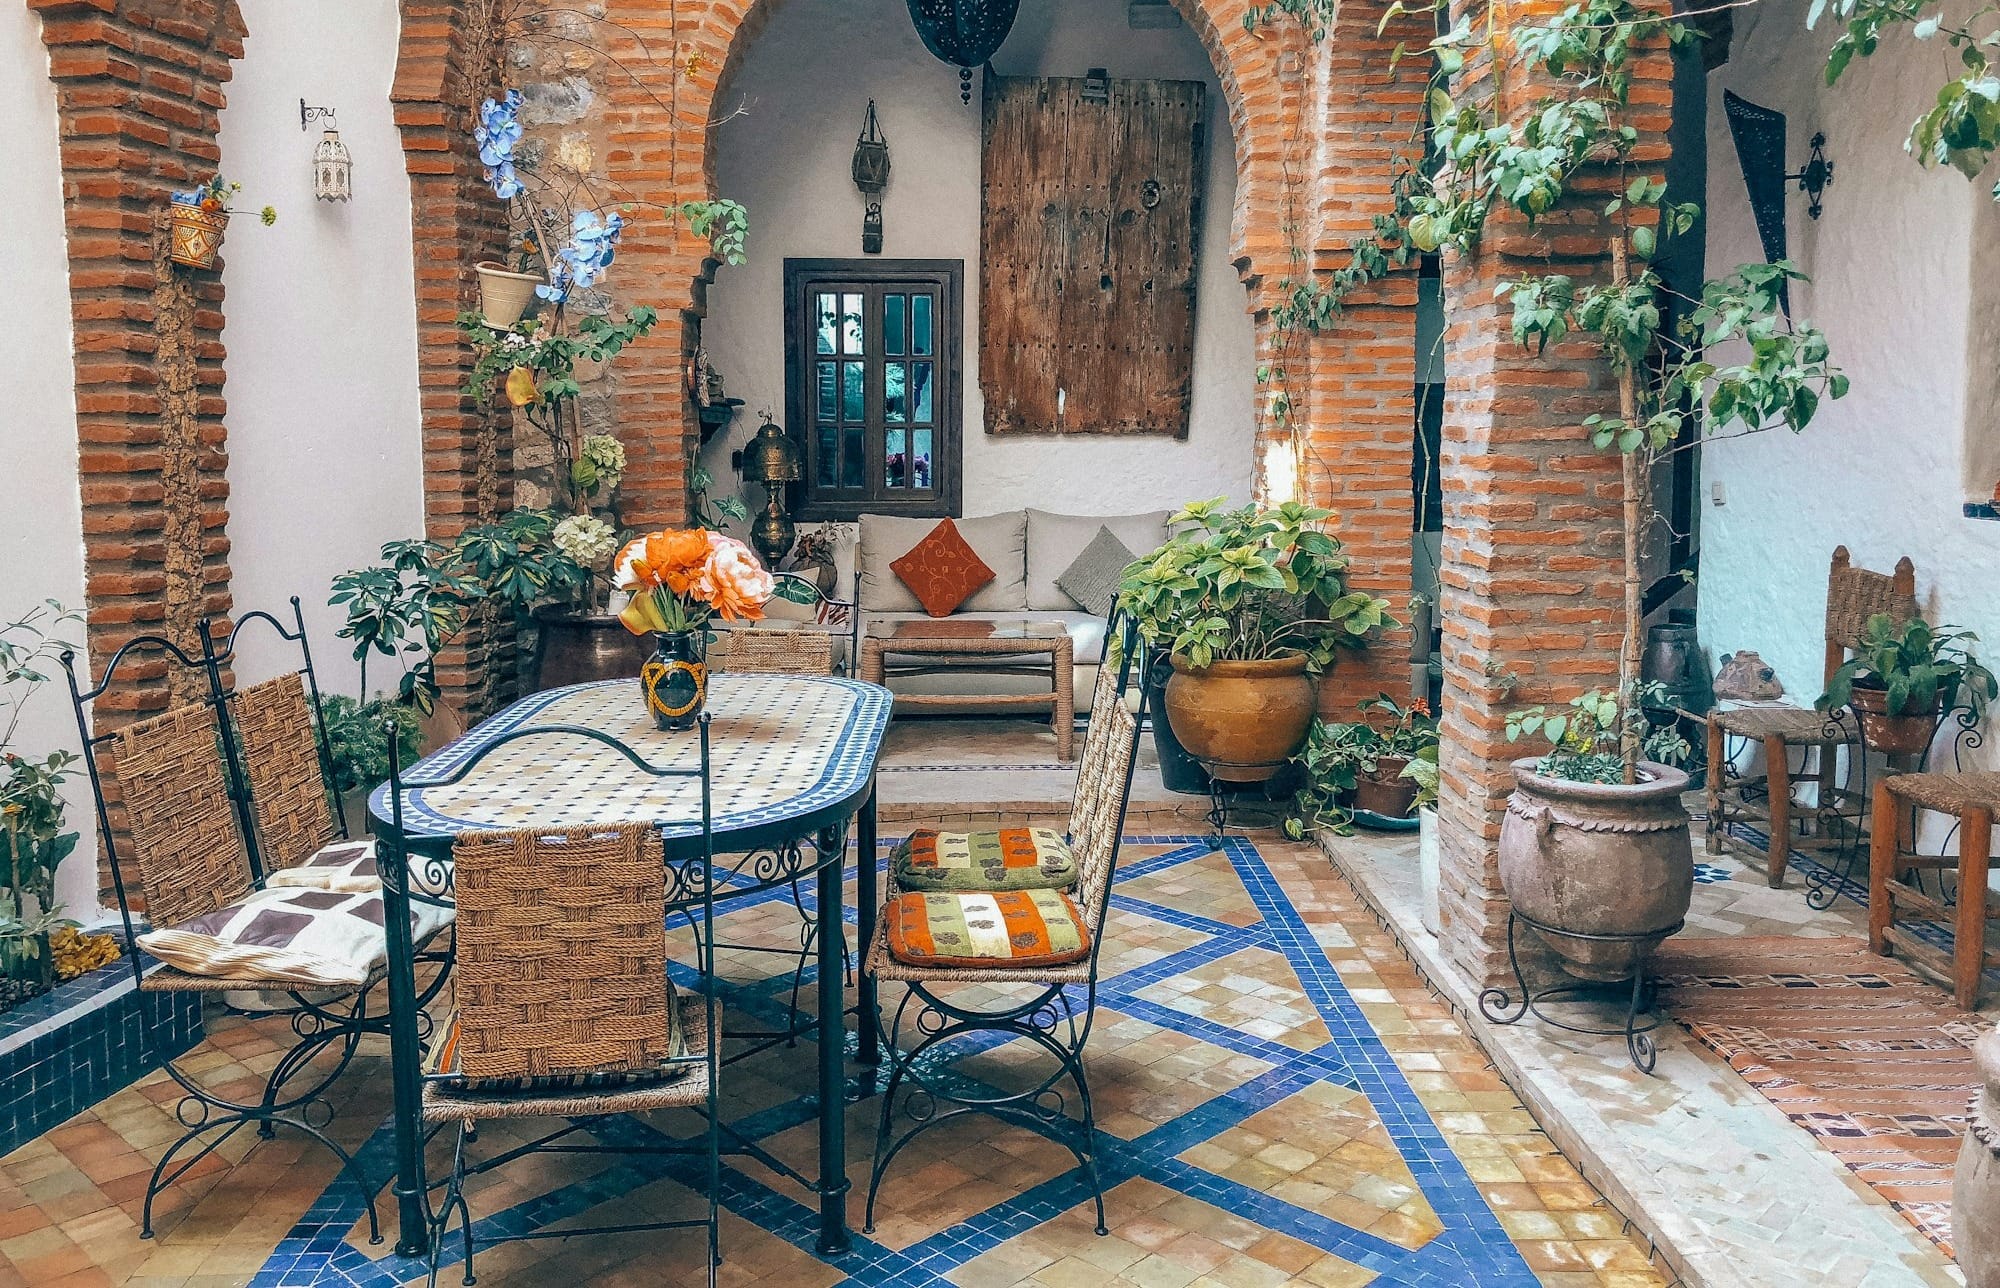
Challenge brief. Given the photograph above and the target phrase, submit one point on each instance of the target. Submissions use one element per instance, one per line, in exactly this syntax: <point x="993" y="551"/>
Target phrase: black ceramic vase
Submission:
<point x="675" y="679"/>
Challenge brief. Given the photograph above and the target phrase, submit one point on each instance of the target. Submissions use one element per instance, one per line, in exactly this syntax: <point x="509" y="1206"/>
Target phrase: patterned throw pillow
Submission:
<point x="441" y="1063"/>
<point x="322" y="938"/>
<point x="1009" y="928"/>
<point x="1013" y="858"/>
<point x="346" y="866"/>
<point x="1092" y="578"/>
<point x="942" y="571"/>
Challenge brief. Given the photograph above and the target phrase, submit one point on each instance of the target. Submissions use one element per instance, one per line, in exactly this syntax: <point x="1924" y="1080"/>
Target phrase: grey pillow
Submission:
<point x="1092" y="580"/>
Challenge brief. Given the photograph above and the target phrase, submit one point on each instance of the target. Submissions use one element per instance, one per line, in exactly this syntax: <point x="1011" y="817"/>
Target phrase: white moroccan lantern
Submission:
<point x="333" y="168"/>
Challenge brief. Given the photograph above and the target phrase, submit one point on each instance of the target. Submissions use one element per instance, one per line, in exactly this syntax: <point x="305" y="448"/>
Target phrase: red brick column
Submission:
<point x="138" y="87"/>
<point x="448" y="65"/>
<point x="1531" y="579"/>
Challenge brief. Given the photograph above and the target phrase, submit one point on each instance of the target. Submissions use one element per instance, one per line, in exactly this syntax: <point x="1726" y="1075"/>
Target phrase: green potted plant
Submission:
<point x="357" y="737"/>
<point x="33" y="841"/>
<point x="1251" y="606"/>
<point x="1357" y="770"/>
<point x="1901" y="678"/>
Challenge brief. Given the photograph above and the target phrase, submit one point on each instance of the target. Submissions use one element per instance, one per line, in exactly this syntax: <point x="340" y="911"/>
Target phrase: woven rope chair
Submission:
<point x="772" y="651"/>
<point x="1047" y="1013"/>
<point x="1834" y="822"/>
<point x="185" y="856"/>
<point x="563" y="1000"/>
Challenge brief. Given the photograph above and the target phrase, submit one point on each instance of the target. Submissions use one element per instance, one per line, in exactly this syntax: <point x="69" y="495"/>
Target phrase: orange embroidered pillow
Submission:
<point x="1006" y="928"/>
<point x="942" y="571"/>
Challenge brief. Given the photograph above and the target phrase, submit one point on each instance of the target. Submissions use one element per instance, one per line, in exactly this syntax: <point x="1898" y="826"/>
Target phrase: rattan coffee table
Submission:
<point x="952" y="646"/>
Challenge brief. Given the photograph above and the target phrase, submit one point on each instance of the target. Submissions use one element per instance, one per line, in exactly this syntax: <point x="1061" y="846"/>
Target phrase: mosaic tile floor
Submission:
<point x="1282" y="1099"/>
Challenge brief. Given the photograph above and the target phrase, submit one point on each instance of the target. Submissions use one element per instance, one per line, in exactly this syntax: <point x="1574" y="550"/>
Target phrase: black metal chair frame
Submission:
<point x="316" y="1025"/>
<point x="690" y="895"/>
<point x="1052" y="1020"/>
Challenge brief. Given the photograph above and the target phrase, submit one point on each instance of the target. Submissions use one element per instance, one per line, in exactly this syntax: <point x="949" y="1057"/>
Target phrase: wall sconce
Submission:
<point x="1815" y="175"/>
<point x="871" y="175"/>
<point x="333" y="164"/>
<point x="1096" y="86"/>
<point x="773" y="459"/>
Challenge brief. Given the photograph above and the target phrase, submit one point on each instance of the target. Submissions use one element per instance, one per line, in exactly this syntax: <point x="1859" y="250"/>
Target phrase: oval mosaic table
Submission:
<point x="792" y="758"/>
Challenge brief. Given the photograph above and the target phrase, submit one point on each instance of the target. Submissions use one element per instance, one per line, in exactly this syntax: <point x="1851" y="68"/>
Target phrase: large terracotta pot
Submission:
<point x="1975" y="1185"/>
<point x="1897" y="735"/>
<point x="1243" y="720"/>
<point x="1599" y="859"/>
<point x="575" y="648"/>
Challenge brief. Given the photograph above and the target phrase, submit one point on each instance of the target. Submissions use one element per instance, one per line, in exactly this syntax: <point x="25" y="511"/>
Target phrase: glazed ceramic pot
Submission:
<point x="1975" y="1183"/>
<point x="1596" y="859"/>
<point x="194" y="234"/>
<point x="1898" y="735"/>
<point x="1242" y="720"/>
<point x="505" y="297"/>
<point x="675" y="679"/>
<point x="1179" y="771"/>
<point x="575" y="648"/>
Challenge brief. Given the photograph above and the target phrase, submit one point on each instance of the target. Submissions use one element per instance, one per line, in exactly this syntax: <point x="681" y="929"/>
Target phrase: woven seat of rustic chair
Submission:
<point x="1831" y="829"/>
<point x="1948" y="793"/>
<point x="281" y="759"/>
<point x="1895" y="901"/>
<point x="444" y="1103"/>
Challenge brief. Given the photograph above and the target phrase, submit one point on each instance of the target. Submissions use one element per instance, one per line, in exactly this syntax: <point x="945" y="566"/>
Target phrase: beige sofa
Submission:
<point x="1027" y="550"/>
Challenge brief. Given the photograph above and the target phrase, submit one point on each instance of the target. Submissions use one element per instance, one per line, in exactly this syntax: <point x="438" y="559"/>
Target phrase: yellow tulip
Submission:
<point x="521" y="387"/>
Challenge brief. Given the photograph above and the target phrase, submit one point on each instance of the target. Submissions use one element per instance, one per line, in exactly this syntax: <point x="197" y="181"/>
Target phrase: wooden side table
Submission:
<point x="948" y="646"/>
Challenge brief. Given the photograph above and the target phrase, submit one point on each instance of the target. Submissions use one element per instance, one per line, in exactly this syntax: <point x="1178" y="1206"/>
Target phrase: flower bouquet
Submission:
<point x="197" y="219"/>
<point x="680" y="579"/>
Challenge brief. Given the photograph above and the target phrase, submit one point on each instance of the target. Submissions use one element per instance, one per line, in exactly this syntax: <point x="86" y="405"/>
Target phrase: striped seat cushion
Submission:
<point x="1013" y="858"/>
<point x="1007" y="928"/>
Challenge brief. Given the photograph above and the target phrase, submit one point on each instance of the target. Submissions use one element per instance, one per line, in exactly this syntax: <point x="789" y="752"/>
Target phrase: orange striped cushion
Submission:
<point x="1008" y="928"/>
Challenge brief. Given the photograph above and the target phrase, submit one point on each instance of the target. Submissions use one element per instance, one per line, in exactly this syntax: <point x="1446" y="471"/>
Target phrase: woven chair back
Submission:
<point x="1853" y="595"/>
<point x="280" y="757"/>
<point x="185" y="846"/>
<point x="1103" y="785"/>
<point x="772" y="652"/>
<point x="562" y="952"/>
<point x="1107" y="692"/>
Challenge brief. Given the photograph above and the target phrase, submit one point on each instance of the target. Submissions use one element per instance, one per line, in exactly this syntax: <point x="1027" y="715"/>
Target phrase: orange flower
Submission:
<point x="672" y="559"/>
<point x="733" y="583"/>
<point x="1420" y="707"/>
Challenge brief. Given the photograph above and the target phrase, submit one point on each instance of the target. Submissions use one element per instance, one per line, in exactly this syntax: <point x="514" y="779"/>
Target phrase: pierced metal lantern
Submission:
<point x="333" y="168"/>
<point x="773" y="459"/>
<point x="871" y="175"/>
<point x="964" y="33"/>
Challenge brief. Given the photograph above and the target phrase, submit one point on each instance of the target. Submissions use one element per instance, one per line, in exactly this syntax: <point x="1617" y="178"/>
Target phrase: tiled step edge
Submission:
<point x="1796" y="1215"/>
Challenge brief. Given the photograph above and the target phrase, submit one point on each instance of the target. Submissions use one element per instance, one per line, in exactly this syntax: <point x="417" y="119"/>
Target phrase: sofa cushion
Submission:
<point x="941" y="570"/>
<point x="1000" y="541"/>
<point x="1055" y="540"/>
<point x="1093" y="579"/>
<point x="1012" y="858"/>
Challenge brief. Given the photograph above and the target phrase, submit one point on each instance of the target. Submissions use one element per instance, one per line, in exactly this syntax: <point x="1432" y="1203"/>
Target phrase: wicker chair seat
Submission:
<point x="1797" y="726"/>
<point x="1947" y="793"/>
<point x="444" y="1103"/>
<point x="884" y="966"/>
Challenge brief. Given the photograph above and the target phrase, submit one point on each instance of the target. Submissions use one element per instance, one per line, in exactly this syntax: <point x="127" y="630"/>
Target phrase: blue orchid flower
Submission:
<point x="499" y="129"/>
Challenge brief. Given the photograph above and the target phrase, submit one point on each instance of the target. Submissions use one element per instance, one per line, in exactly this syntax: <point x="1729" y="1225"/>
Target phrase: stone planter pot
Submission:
<point x="1599" y="859"/>
<point x="1427" y="869"/>
<point x="576" y="648"/>
<point x="1975" y="1183"/>
<point x="1904" y="734"/>
<point x="505" y="297"/>
<point x="1386" y="793"/>
<point x="1243" y="720"/>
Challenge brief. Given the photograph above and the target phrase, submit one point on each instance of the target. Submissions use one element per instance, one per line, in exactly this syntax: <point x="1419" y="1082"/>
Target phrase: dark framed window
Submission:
<point x="873" y="379"/>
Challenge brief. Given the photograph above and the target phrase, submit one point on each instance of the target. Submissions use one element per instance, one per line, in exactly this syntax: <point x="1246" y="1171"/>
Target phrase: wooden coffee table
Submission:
<point x="949" y="646"/>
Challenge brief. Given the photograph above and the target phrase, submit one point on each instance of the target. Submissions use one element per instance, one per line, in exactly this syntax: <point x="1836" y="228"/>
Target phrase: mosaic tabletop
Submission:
<point x="787" y="751"/>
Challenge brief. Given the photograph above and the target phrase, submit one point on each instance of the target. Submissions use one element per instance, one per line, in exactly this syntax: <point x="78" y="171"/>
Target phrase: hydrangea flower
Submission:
<point x="496" y="134"/>
<point x="588" y="540"/>
<point x="607" y="454"/>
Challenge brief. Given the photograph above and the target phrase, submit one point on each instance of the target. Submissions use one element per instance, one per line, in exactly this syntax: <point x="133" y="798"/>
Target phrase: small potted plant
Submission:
<point x="1252" y="607"/>
<point x="1402" y="734"/>
<point x="1357" y="770"/>
<point x="1902" y="677"/>
<point x="33" y="841"/>
<point x="197" y="219"/>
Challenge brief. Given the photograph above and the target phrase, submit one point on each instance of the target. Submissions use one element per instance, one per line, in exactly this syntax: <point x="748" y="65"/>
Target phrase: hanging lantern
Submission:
<point x="871" y="175"/>
<point x="964" y="33"/>
<point x="333" y="168"/>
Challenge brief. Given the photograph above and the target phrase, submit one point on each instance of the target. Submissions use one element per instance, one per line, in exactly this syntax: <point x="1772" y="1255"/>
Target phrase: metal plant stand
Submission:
<point x="1218" y="792"/>
<point x="1495" y="1005"/>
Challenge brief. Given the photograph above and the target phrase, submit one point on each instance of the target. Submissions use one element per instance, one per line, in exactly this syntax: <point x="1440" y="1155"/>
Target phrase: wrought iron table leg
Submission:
<point x="868" y="902"/>
<point x="406" y="1065"/>
<point x="833" y="1184"/>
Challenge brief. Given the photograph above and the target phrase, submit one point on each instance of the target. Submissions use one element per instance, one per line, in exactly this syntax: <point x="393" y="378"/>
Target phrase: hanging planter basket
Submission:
<point x="506" y="297"/>
<point x="195" y="234"/>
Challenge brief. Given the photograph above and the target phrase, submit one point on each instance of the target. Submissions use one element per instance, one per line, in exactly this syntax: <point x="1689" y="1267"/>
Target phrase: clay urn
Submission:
<point x="1241" y="719"/>
<point x="1975" y="1185"/>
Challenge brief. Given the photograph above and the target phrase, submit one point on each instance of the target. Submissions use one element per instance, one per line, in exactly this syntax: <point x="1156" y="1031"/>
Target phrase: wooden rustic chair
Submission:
<point x="1853" y="595"/>
<point x="1048" y="1011"/>
<point x="183" y="864"/>
<point x="1896" y="904"/>
<point x="564" y="1006"/>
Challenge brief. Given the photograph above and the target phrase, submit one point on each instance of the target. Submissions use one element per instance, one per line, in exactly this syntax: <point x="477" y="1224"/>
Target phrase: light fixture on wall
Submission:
<point x="773" y="459"/>
<point x="871" y="175"/>
<point x="333" y="164"/>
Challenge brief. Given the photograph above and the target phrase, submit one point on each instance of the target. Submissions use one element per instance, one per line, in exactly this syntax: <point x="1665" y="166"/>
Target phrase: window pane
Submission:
<point x="920" y="451"/>
<point x="829" y="456"/>
<point x="851" y="404"/>
<point x="920" y="324"/>
<point x="823" y="311"/>
<point x="892" y="323"/>
<point x="829" y="381"/>
<point x="920" y="376"/>
<point x="892" y="455"/>
<point x="895" y="389"/>
<point x="850" y="324"/>
<point x="853" y="466"/>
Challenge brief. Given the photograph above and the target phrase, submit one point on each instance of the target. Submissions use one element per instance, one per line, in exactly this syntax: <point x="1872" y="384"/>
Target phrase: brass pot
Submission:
<point x="576" y="648"/>
<point x="1903" y="734"/>
<point x="1242" y="720"/>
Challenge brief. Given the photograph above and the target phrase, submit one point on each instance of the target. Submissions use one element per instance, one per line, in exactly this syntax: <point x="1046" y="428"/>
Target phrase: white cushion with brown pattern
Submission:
<point x="323" y="938"/>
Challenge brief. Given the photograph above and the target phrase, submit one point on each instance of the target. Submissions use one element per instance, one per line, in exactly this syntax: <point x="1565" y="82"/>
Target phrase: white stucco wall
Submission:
<point x="325" y="453"/>
<point x="802" y="91"/>
<point x="41" y="525"/>
<point x="1895" y="283"/>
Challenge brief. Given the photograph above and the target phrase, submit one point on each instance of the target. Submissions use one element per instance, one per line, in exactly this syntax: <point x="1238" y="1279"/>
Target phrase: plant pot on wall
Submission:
<point x="505" y="297"/>
<point x="1599" y="859"/>
<point x="576" y="648"/>
<point x="1905" y="733"/>
<point x="195" y="234"/>
<point x="1241" y="719"/>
